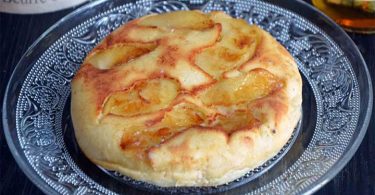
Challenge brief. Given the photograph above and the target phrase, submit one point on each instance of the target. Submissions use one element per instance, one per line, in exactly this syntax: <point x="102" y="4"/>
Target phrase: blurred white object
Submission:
<point x="36" y="6"/>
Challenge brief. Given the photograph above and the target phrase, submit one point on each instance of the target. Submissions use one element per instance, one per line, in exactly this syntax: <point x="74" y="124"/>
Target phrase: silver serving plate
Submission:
<point x="337" y="99"/>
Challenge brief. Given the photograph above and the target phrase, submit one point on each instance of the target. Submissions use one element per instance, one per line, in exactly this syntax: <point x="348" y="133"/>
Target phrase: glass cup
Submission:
<point x="352" y="15"/>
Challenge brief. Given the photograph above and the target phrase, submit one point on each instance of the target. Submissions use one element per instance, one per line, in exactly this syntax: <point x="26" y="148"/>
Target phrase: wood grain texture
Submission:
<point x="18" y="32"/>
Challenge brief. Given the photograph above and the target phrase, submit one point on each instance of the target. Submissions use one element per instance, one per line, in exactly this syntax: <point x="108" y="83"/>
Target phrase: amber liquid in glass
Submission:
<point x="351" y="19"/>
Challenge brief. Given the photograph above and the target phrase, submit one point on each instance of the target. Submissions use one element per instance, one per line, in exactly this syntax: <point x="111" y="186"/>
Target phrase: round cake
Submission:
<point x="185" y="99"/>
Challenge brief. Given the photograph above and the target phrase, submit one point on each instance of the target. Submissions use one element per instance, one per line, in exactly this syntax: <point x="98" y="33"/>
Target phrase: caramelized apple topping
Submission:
<point x="117" y="54"/>
<point x="180" y="19"/>
<point x="140" y="140"/>
<point x="142" y="98"/>
<point x="184" y="115"/>
<point x="236" y="46"/>
<point x="255" y="84"/>
<point x="237" y="120"/>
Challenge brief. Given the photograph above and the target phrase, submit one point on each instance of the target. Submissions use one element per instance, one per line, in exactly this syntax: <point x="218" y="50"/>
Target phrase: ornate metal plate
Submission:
<point x="337" y="99"/>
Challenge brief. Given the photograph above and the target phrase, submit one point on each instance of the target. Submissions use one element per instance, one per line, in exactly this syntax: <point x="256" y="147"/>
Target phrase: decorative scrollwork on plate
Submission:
<point x="46" y="89"/>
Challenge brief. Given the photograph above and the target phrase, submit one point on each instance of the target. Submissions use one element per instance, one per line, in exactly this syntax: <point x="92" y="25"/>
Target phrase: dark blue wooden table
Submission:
<point x="18" y="32"/>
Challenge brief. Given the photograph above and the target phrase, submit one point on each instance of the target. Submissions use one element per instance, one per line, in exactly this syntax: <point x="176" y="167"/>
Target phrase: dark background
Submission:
<point x="18" y="32"/>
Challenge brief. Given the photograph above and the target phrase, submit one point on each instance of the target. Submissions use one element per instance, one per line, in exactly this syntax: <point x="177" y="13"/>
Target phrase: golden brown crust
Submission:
<point x="198" y="100"/>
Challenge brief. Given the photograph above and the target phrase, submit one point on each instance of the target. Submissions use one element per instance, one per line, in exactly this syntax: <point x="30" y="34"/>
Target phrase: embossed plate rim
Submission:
<point x="31" y="173"/>
<point x="23" y="163"/>
<point x="331" y="173"/>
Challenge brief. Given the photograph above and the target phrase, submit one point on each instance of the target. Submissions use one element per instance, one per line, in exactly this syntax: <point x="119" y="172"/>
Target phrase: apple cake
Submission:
<point x="185" y="99"/>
